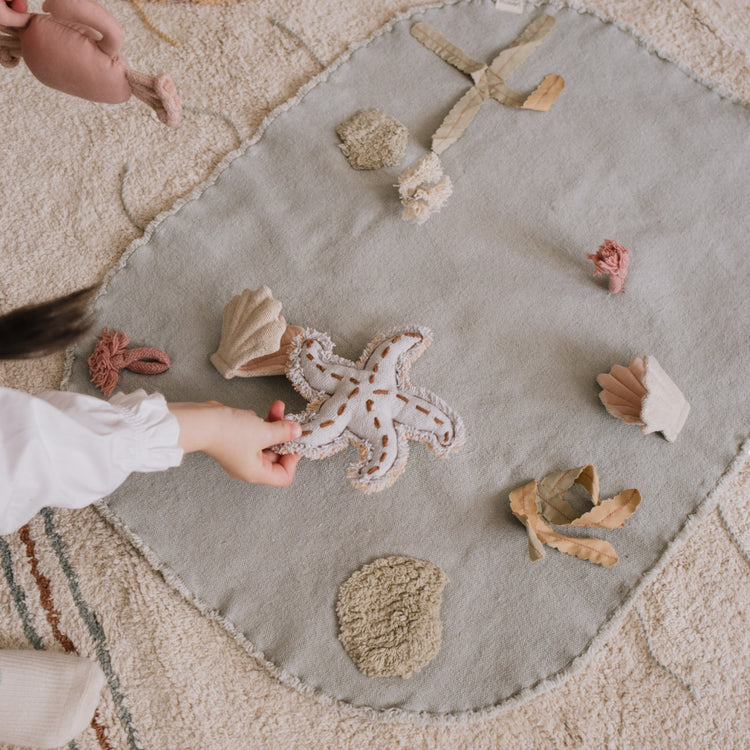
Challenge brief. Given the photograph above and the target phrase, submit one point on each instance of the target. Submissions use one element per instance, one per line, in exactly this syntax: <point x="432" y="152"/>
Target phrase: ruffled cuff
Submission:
<point x="151" y="442"/>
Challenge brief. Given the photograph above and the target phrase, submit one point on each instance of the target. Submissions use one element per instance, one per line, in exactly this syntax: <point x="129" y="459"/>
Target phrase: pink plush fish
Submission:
<point x="74" y="47"/>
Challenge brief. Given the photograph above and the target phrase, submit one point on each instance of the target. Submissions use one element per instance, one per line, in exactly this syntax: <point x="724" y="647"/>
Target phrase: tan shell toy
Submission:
<point x="74" y="47"/>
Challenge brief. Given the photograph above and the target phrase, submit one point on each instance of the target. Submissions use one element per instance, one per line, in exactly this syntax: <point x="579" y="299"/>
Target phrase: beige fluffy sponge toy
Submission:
<point x="73" y="46"/>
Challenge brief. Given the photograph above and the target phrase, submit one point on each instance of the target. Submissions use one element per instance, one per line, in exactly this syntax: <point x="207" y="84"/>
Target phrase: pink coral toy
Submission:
<point x="74" y="47"/>
<point x="110" y="356"/>
<point x="611" y="259"/>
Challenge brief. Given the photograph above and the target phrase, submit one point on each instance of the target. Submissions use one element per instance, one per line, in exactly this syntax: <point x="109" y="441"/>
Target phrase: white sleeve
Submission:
<point x="68" y="450"/>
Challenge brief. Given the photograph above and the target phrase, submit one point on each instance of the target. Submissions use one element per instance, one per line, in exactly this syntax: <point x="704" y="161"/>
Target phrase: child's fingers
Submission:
<point x="273" y="457"/>
<point x="276" y="411"/>
<point x="290" y="461"/>
<point x="281" y="431"/>
<point x="281" y="472"/>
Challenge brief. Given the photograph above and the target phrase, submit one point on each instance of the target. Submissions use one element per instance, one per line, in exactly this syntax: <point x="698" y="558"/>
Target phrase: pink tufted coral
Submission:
<point x="110" y="356"/>
<point x="611" y="259"/>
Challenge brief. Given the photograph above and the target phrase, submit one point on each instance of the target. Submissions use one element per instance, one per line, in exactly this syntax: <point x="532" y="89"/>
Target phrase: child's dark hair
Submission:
<point x="36" y="330"/>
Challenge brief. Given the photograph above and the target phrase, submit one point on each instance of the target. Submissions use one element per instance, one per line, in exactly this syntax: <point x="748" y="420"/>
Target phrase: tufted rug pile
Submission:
<point x="672" y="664"/>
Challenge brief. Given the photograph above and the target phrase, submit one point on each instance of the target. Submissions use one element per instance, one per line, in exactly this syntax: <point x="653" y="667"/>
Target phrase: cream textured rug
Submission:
<point x="166" y="690"/>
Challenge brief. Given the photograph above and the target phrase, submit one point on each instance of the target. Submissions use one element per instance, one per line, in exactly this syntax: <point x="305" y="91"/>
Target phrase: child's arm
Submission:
<point x="239" y="440"/>
<point x="68" y="450"/>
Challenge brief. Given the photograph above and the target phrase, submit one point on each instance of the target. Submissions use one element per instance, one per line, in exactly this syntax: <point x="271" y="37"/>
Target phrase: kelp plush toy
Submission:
<point x="74" y="47"/>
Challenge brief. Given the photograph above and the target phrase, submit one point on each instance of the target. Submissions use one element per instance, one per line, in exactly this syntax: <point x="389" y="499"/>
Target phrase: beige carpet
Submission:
<point x="176" y="678"/>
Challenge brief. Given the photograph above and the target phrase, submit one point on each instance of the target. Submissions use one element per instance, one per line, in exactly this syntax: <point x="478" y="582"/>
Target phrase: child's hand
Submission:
<point x="239" y="440"/>
<point x="13" y="13"/>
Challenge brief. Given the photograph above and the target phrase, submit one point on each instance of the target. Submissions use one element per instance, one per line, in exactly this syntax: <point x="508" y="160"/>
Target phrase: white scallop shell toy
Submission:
<point x="644" y="394"/>
<point x="253" y="336"/>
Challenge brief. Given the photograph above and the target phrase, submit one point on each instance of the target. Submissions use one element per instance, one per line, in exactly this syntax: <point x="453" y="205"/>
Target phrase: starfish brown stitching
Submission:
<point x="369" y="404"/>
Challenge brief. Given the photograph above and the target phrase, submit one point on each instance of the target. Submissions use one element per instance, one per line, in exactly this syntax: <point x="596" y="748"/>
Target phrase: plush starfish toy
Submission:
<point x="370" y="404"/>
<point x="74" y="47"/>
